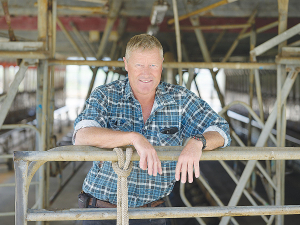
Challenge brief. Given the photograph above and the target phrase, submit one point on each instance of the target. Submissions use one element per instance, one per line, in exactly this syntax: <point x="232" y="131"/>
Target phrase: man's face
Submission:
<point x="144" y="69"/>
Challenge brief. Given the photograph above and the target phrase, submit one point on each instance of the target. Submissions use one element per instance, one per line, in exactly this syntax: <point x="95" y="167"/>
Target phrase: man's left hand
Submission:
<point x="188" y="161"/>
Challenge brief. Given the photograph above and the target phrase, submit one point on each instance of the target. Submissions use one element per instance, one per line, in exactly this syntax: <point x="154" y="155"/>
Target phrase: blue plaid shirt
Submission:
<point x="113" y="106"/>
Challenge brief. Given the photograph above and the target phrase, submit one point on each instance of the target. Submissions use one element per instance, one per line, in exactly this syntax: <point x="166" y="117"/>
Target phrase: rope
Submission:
<point x="122" y="168"/>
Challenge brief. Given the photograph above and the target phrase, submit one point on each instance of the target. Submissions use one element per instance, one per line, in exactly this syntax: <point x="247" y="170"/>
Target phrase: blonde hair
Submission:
<point x="143" y="41"/>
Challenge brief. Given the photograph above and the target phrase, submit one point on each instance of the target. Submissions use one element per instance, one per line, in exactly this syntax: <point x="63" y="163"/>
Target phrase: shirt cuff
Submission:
<point x="82" y="124"/>
<point x="220" y="131"/>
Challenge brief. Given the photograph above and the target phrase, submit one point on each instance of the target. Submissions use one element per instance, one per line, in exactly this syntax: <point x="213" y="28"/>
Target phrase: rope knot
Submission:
<point x="122" y="168"/>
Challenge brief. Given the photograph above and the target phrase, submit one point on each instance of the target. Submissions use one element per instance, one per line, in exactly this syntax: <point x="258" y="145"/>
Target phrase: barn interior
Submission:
<point x="242" y="57"/>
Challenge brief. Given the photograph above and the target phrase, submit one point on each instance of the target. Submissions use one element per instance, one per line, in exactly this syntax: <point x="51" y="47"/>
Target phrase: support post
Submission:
<point x="251" y="83"/>
<point x="178" y="39"/>
<point x="21" y="192"/>
<point x="115" y="7"/>
<point x="281" y="108"/>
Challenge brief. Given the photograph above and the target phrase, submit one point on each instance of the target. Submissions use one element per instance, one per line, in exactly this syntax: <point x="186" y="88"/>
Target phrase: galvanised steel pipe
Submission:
<point x="165" y="212"/>
<point x="88" y="153"/>
<point x="16" y="126"/>
<point x="206" y="65"/>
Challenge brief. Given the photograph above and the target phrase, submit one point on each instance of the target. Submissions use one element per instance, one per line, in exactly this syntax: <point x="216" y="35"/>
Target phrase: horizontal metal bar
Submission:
<point x="16" y="126"/>
<point x="24" y="54"/>
<point x="165" y="212"/>
<point x="21" y="46"/>
<point x="88" y="153"/>
<point x="14" y="184"/>
<point x="213" y="27"/>
<point x="208" y="65"/>
<point x="7" y="214"/>
<point x="288" y="60"/>
<point x="6" y="156"/>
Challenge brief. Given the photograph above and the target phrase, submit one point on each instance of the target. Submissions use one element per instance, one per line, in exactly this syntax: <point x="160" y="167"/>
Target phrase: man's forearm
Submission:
<point x="213" y="140"/>
<point x="103" y="137"/>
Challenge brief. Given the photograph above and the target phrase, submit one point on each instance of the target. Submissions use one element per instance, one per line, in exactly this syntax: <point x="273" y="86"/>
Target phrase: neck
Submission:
<point x="146" y="104"/>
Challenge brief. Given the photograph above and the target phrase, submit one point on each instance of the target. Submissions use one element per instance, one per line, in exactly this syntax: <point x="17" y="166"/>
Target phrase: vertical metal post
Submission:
<point x="251" y="81"/>
<point x="178" y="39"/>
<point x="39" y="93"/>
<point x="42" y="21"/>
<point x="41" y="106"/>
<point x="21" y="192"/>
<point x="111" y="18"/>
<point x="280" y="165"/>
<point x="281" y="111"/>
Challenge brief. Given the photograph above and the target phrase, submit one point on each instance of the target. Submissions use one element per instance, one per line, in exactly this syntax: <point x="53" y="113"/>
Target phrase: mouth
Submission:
<point x="145" y="81"/>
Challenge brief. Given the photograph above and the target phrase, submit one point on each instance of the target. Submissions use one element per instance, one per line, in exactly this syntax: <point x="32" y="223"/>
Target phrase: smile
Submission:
<point x="145" y="81"/>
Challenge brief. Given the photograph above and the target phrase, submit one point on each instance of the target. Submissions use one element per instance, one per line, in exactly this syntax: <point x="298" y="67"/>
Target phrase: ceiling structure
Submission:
<point x="89" y="17"/>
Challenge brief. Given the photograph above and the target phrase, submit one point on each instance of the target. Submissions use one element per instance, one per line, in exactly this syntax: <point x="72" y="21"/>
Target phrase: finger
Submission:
<point x="155" y="168"/>
<point x="183" y="172"/>
<point x="159" y="167"/>
<point x="143" y="162"/>
<point x="150" y="165"/>
<point x="190" y="172"/>
<point x="197" y="169"/>
<point x="177" y="171"/>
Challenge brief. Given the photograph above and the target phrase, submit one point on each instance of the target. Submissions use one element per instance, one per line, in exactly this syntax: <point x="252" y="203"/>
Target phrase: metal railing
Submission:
<point x="27" y="163"/>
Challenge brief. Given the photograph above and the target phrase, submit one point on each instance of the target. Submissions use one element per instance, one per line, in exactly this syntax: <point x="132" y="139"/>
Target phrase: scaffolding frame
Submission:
<point x="45" y="54"/>
<point x="27" y="163"/>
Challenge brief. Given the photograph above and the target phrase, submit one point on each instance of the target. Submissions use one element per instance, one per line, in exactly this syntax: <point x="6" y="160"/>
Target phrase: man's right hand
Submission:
<point x="107" y="138"/>
<point x="147" y="153"/>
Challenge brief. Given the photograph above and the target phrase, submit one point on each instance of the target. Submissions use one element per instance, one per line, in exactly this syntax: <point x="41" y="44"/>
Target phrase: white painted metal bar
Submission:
<point x="288" y="84"/>
<point x="261" y="141"/>
<point x="245" y="192"/>
<point x="214" y="195"/>
<point x="276" y="40"/>
<point x="12" y="92"/>
<point x="239" y="188"/>
<point x="253" y="114"/>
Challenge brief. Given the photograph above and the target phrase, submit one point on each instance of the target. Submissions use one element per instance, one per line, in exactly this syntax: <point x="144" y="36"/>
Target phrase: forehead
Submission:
<point x="145" y="54"/>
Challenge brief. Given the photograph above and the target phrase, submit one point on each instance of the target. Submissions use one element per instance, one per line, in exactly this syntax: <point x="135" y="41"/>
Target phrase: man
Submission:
<point x="144" y="112"/>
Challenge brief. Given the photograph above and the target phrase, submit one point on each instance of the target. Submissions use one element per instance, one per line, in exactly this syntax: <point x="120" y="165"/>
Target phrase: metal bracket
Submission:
<point x="31" y="62"/>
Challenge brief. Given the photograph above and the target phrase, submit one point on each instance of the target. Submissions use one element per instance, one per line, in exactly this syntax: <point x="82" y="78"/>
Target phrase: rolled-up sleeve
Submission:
<point x="199" y="117"/>
<point x="94" y="114"/>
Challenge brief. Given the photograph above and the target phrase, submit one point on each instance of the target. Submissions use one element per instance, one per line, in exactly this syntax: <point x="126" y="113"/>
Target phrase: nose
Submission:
<point x="146" y="70"/>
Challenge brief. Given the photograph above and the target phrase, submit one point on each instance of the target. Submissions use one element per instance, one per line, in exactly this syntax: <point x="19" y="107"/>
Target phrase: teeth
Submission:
<point x="145" y="81"/>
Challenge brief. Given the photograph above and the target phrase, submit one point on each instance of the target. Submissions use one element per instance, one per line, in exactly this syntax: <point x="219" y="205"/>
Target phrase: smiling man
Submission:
<point x="144" y="112"/>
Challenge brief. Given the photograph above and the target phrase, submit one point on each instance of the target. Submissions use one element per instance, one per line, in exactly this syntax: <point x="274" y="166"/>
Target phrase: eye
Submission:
<point x="153" y="65"/>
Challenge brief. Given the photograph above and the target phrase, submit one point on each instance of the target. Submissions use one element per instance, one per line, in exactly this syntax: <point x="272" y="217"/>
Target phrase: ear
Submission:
<point x="125" y="62"/>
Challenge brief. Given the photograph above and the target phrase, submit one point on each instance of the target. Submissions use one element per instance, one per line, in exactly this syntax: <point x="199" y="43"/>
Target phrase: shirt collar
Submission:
<point x="128" y="91"/>
<point x="163" y="96"/>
